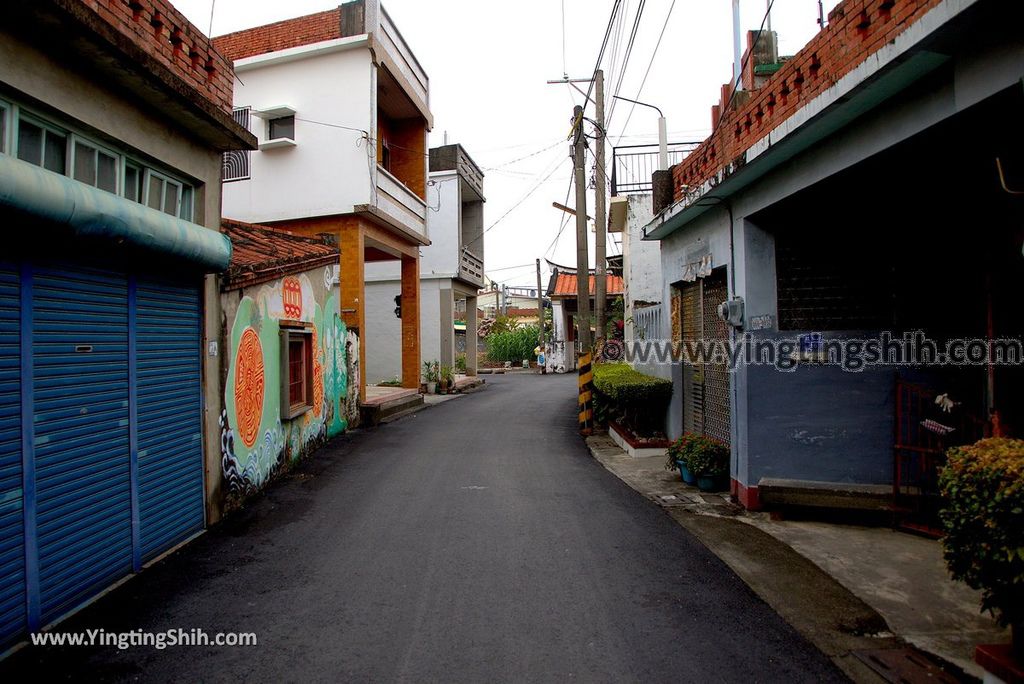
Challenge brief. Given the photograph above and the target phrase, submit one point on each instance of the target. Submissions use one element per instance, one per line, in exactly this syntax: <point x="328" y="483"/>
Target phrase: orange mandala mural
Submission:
<point x="249" y="386"/>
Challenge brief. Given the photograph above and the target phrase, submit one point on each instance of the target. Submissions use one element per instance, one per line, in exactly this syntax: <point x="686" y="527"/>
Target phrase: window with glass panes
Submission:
<point x="71" y="154"/>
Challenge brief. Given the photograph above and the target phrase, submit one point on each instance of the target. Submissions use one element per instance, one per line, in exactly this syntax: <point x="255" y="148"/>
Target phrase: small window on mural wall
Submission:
<point x="296" y="371"/>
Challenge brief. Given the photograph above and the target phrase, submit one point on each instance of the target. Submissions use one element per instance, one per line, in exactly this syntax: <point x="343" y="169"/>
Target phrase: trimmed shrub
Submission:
<point x="983" y="518"/>
<point x="635" y="400"/>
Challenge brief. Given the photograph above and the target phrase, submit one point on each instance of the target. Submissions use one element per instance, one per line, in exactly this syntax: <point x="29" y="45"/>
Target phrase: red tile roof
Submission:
<point x="564" y="285"/>
<point x="260" y="254"/>
<point x="312" y="28"/>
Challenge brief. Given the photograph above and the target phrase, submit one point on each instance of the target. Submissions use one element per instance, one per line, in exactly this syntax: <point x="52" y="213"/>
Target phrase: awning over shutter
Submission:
<point x="96" y="213"/>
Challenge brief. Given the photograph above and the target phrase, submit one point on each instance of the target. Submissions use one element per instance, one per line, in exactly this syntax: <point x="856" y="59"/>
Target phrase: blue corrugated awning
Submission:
<point x="95" y="213"/>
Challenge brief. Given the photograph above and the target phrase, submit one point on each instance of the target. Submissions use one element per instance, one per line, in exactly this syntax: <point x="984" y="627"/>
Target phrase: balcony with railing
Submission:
<point x="471" y="268"/>
<point x="633" y="165"/>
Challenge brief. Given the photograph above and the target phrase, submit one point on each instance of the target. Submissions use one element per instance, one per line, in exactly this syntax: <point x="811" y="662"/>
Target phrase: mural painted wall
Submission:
<point x="255" y="442"/>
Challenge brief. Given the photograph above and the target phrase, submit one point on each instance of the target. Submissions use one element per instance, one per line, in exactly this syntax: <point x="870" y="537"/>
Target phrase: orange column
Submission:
<point x="410" y="322"/>
<point x="353" y="313"/>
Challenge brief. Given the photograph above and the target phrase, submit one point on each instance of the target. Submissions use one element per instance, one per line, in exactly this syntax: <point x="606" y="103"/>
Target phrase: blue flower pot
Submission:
<point x="688" y="477"/>
<point x="707" y="483"/>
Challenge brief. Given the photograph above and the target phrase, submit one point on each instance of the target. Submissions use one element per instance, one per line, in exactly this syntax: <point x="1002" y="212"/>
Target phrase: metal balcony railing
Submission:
<point x="471" y="267"/>
<point x="632" y="165"/>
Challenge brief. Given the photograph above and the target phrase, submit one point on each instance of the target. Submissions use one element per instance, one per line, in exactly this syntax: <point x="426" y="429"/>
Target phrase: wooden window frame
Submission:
<point x="292" y="332"/>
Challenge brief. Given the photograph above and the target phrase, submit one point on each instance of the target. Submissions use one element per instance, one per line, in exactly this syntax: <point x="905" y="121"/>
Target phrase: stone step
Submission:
<point x="375" y="413"/>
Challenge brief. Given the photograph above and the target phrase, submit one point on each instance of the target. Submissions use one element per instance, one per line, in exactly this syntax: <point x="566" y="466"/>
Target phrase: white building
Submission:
<point x="341" y="110"/>
<point x="451" y="271"/>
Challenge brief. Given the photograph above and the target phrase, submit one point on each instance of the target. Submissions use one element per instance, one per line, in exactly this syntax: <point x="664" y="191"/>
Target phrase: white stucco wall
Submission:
<point x="444" y="215"/>
<point x="330" y="169"/>
<point x="384" y="329"/>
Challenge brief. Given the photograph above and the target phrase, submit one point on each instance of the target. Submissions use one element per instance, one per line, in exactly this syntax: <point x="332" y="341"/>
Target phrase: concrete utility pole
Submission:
<point x="540" y="322"/>
<point x="600" y="211"/>
<point x="582" y="256"/>
<point x="586" y="375"/>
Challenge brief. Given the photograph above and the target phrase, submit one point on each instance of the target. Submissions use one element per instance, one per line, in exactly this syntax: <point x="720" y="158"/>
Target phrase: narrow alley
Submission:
<point x="487" y="548"/>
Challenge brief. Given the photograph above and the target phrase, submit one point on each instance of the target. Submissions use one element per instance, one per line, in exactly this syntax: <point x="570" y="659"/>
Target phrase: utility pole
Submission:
<point x="582" y="271"/>
<point x="582" y="255"/>
<point x="600" y="212"/>
<point x="540" y="324"/>
<point x="504" y="300"/>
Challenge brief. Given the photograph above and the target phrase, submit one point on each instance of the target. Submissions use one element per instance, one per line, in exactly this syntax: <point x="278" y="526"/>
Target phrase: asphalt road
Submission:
<point x="474" y="541"/>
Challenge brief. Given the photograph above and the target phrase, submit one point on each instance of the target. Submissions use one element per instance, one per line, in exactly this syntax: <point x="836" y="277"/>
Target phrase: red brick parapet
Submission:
<point x="856" y="30"/>
<point x="163" y="33"/>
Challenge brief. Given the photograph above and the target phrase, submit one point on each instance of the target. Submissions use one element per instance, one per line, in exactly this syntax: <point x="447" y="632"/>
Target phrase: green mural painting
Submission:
<point x="255" y="440"/>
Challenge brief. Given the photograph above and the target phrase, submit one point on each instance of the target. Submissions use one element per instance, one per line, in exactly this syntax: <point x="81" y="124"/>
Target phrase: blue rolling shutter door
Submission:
<point x="170" y="454"/>
<point x="81" y="434"/>
<point x="12" y="550"/>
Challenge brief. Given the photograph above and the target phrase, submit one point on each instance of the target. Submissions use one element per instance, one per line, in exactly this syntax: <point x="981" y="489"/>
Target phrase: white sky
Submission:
<point x="488" y="63"/>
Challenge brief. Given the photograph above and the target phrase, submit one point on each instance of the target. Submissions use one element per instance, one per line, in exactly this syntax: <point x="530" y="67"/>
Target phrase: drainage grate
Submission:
<point x="906" y="666"/>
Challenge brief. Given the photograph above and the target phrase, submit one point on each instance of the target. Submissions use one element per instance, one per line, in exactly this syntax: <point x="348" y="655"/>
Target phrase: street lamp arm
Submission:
<point x="642" y="104"/>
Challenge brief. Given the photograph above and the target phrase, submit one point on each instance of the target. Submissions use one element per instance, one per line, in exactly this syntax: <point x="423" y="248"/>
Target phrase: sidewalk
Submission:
<point x="868" y="589"/>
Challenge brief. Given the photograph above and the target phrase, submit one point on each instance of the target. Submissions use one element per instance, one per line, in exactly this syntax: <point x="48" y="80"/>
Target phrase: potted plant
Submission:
<point x="708" y="460"/>
<point x="676" y="455"/>
<point x="447" y="379"/>
<point x="983" y="521"/>
<point x="430" y="374"/>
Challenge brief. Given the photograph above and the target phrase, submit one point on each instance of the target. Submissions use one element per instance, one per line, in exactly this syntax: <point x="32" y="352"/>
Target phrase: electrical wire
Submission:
<point x="621" y="79"/>
<point x="648" y="71"/>
<point x="519" y="202"/>
<point x="519" y="159"/>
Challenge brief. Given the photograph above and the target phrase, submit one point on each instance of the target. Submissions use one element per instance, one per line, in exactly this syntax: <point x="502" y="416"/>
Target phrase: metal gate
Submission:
<point x="101" y="460"/>
<point x="79" y="446"/>
<point x="706" y="380"/>
<point x="170" y="453"/>
<point x="716" y="372"/>
<point x="12" y="549"/>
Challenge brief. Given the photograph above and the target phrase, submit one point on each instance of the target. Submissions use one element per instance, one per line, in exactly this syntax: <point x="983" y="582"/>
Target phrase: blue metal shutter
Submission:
<point x="81" y="434"/>
<point x="170" y="456"/>
<point x="12" y="548"/>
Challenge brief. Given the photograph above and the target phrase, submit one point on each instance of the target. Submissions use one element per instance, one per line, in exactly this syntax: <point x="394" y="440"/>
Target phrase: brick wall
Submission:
<point x="314" y="28"/>
<point x="856" y="29"/>
<point x="166" y="35"/>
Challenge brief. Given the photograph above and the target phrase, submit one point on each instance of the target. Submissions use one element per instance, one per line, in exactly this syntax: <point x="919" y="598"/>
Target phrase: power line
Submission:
<point x="648" y="72"/>
<point x="629" y="52"/>
<point x="527" y="156"/>
<point x="522" y="199"/>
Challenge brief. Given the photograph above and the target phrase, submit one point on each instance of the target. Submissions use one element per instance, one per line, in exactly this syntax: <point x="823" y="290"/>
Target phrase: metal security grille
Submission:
<point x="101" y="464"/>
<point x="80" y="434"/>
<point x="705" y="384"/>
<point x="13" y="619"/>
<point x="716" y="375"/>
<point x="170" y="454"/>
<point x="235" y="165"/>
<point x="693" y="374"/>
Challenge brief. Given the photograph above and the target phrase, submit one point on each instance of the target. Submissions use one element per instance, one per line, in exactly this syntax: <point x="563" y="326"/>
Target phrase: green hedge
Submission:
<point x="983" y="517"/>
<point x="630" y="397"/>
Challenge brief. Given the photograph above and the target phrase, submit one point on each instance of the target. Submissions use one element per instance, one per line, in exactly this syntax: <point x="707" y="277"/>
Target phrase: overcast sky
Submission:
<point x="488" y="63"/>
